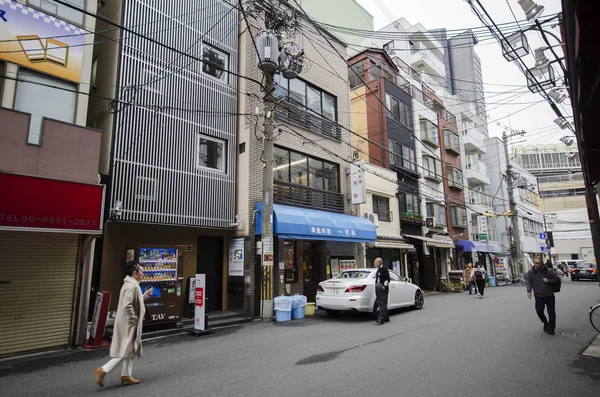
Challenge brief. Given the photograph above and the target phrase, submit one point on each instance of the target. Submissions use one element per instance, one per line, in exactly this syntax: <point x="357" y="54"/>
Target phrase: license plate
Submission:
<point x="333" y="291"/>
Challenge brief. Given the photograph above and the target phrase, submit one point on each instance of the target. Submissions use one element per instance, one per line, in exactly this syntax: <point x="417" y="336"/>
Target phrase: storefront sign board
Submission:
<point x="236" y="257"/>
<point x="98" y="325"/>
<point x="199" y="294"/>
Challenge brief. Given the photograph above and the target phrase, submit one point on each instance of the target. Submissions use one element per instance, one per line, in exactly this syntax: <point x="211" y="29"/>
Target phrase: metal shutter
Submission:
<point x="37" y="286"/>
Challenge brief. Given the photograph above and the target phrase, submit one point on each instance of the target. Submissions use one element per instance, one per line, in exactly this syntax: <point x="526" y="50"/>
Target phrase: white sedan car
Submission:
<point x="354" y="291"/>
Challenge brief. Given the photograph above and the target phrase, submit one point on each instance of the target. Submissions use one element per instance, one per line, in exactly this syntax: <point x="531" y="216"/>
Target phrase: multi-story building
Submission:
<point x="51" y="203"/>
<point x="385" y="138"/>
<point x="562" y="191"/>
<point x="530" y="218"/>
<point x="311" y="170"/>
<point x="169" y="146"/>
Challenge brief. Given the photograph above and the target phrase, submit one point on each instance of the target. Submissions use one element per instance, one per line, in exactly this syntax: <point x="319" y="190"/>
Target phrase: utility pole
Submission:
<point x="516" y="251"/>
<point x="276" y="54"/>
<point x="548" y="245"/>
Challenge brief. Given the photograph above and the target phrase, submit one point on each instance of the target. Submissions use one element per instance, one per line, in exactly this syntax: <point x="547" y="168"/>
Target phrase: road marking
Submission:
<point x="568" y="334"/>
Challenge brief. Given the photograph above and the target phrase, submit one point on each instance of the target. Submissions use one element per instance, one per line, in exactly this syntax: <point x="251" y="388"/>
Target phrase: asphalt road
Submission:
<point x="456" y="345"/>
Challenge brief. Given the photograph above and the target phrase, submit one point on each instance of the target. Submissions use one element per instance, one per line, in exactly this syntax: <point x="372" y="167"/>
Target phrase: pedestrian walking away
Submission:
<point x="566" y="269"/>
<point x="540" y="280"/>
<point x="127" y="332"/>
<point x="478" y="277"/>
<point x="382" y="290"/>
<point x="468" y="272"/>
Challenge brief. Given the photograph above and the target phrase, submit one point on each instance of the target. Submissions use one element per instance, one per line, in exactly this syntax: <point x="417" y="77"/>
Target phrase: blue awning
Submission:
<point x="468" y="245"/>
<point x="307" y="224"/>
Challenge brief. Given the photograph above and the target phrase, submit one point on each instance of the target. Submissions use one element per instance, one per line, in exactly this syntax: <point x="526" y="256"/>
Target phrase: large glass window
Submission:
<point x="281" y="169"/>
<point x="211" y="153"/>
<point x="44" y="96"/>
<point x="300" y="169"/>
<point x="401" y="155"/>
<point x="459" y="216"/>
<point x="301" y="93"/>
<point x="429" y="132"/>
<point x="432" y="167"/>
<point x="297" y="91"/>
<point x="315" y="173"/>
<point x="438" y="212"/>
<point x="409" y="204"/>
<point x="381" y="207"/>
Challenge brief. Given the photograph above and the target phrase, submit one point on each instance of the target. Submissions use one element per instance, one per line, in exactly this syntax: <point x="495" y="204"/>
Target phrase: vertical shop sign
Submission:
<point x="357" y="183"/>
<point x="267" y="251"/>
<point x="236" y="257"/>
<point x="483" y="228"/>
<point x="199" y="293"/>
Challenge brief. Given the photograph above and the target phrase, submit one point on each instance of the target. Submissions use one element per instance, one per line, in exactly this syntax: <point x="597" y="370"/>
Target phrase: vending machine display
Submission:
<point x="161" y="279"/>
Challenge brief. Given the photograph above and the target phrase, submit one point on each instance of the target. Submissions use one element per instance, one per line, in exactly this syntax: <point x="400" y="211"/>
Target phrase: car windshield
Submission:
<point x="354" y="274"/>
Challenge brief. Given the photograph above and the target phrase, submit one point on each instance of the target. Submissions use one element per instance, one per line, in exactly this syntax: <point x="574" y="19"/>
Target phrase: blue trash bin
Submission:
<point x="283" y="308"/>
<point x="298" y="304"/>
<point x="492" y="281"/>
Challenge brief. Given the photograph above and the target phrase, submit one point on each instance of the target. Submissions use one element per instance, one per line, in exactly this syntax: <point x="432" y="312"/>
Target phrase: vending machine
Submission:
<point x="161" y="278"/>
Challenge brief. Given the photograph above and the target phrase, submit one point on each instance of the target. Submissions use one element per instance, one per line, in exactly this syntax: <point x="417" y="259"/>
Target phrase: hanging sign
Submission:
<point x="483" y="228"/>
<point x="357" y="183"/>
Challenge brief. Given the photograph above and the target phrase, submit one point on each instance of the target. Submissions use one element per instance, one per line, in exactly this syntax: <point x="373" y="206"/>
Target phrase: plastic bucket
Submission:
<point x="309" y="309"/>
<point x="298" y="313"/>
<point x="492" y="281"/>
<point x="283" y="315"/>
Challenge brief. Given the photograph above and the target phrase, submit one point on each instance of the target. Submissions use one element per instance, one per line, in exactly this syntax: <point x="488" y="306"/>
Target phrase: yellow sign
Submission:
<point x="39" y="41"/>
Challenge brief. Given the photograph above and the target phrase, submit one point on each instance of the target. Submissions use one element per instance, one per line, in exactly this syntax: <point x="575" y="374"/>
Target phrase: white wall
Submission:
<point x="383" y="183"/>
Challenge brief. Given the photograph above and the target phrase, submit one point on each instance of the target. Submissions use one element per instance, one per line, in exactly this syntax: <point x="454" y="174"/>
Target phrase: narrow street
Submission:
<point x="457" y="345"/>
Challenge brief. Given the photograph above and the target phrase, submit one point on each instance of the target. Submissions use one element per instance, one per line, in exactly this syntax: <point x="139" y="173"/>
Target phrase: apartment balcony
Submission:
<point x="476" y="171"/>
<point x="473" y="140"/>
<point x="479" y="201"/>
<point x="423" y="59"/>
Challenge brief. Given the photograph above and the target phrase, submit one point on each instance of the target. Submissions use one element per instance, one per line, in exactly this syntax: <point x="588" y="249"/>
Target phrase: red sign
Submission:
<point x="199" y="296"/>
<point x="33" y="202"/>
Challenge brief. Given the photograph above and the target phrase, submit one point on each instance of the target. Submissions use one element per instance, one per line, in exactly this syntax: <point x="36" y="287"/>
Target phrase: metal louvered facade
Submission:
<point x="38" y="273"/>
<point x="173" y="112"/>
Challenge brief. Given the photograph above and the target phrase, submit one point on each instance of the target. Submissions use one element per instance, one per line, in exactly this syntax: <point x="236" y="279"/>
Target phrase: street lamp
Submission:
<point x="515" y="46"/>
<point x="532" y="10"/>
<point x="540" y="78"/>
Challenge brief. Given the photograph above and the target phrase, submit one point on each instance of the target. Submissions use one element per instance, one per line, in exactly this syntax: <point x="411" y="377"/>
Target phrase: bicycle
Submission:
<point x="503" y="280"/>
<point x="595" y="316"/>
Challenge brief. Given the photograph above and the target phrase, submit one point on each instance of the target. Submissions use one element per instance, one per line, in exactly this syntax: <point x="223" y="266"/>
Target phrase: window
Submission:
<point x="44" y="101"/>
<point x="432" y="168"/>
<point x="401" y="155"/>
<point x="455" y="178"/>
<point x="438" y="212"/>
<point x="211" y="153"/>
<point x="429" y="133"/>
<point x="310" y="97"/>
<point x="399" y="111"/>
<point x="381" y="207"/>
<point x="60" y="10"/>
<point x="409" y="204"/>
<point x="459" y="216"/>
<point x="215" y="63"/>
<point x="300" y="169"/>
<point x="451" y="141"/>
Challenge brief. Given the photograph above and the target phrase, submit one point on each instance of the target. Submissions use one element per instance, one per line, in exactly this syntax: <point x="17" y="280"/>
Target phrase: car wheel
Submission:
<point x="332" y="313"/>
<point x="419" y="300"/>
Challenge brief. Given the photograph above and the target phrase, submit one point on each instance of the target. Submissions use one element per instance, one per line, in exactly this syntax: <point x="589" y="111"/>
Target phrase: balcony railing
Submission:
<point x="289" y="113"/>
<point x="478" y="198"/>
<point x="303" y="196"/>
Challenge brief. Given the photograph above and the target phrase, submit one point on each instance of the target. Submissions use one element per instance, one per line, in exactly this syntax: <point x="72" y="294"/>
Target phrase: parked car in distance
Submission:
<point x="354" y="291"/>
<point x="571" y="263"/>
<point x="586" y="271"/>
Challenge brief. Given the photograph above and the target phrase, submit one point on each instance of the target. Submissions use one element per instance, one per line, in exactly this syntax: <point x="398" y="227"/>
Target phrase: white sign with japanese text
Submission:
<point x="357" y="183"/>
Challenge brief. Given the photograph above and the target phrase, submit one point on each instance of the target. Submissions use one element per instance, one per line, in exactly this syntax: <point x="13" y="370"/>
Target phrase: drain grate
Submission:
<point x="568" y="334"/>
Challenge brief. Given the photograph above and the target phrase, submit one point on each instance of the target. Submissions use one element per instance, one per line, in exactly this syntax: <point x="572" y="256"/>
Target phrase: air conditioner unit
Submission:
<point x="430" y="221"/>
<point x="373" y="218"/>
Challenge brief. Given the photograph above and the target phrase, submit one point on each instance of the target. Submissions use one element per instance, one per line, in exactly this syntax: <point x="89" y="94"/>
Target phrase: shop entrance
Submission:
<point x="210" y="262"/>
<point x="310" y="263"/>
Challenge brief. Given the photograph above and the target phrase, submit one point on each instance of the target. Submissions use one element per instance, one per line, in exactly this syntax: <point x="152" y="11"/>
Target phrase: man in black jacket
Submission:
<point x="382" y="289"/>
<point x="540" y="278"/>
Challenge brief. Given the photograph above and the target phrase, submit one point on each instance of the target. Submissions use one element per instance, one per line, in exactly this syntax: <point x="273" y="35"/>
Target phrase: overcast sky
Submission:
<point x="499" y="75"/>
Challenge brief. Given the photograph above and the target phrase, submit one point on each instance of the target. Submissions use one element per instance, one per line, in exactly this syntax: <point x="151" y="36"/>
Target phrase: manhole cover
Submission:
<point x="568" y="334"/>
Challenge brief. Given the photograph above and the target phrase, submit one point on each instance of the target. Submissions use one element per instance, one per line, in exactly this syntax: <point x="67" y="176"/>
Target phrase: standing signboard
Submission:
<point x="98" y="325"/>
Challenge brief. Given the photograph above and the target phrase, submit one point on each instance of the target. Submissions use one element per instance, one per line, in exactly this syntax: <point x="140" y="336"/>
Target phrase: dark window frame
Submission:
<point x="280" y="78"/>
<point x="326" y="163"/>
<point x="394" y="156"/>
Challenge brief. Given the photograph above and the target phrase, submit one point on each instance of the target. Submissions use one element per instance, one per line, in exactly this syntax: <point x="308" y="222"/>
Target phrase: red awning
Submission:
<point x="34" y="203"/>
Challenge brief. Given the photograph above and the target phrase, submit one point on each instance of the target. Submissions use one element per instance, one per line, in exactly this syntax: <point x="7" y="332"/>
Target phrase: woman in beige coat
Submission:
<point x="127" y="337"/>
